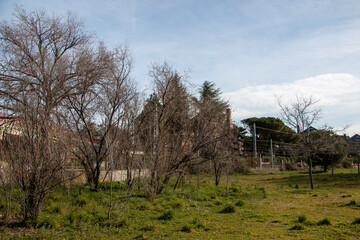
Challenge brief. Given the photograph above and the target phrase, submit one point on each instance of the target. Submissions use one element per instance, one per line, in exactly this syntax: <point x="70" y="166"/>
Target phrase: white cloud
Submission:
<point x="339" y="96"/>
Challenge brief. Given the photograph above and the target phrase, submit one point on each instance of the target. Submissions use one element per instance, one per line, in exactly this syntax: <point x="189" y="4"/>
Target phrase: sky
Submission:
<point x="255" y="51"/>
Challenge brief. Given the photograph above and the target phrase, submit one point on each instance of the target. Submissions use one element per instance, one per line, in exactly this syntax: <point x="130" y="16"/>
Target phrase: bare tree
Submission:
<point x="38" y="59"/>
<point x="100" y="107"/>
<point x="301" y="114"/>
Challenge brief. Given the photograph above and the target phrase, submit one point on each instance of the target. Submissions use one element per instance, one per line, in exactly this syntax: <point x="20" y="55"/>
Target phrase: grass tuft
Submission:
<point x="186" y="228"/>
<point x="352" y="203"/>
<point x="302" y="219"/>
<point x="324" y="222"/>
<point x="168" y="215"/>
<point x="297" y="227"/>
<point x="148" y="228"/>
<point x="356" y="221"/>
<point x="240" y="203"/>
<point x="228" y="209"/>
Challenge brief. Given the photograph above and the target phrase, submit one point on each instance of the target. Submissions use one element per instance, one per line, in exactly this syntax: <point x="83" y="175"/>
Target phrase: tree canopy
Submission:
<point x="271" y="128"/>
<point x="331" y="148"/>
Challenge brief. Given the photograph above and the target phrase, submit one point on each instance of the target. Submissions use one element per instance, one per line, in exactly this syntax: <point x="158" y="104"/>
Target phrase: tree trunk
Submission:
<point x="310" y="174"/>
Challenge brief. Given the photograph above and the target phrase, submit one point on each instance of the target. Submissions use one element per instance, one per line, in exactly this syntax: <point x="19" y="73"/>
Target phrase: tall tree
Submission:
<point x="217" y="151"/>
<point x="208" y="92"/>
<point x="39" y="61"/>
<point x="105" y="96"/>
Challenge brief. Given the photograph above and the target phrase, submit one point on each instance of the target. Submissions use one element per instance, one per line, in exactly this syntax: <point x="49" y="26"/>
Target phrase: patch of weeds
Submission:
<point x="234" y="189"/>
<point x="302" y="219"/>
<point x="148" y="228"/>
<point x="177" y="204"/>
<point x="228" y="209"/>
<point x="81" y="201"/>
<point x="352" y="203"/>
<point x="356" y="221"/>
<point x="240" y="203"/>
<point x="200" y="225"/>
<point x="218" y="203"/>
<point x="345" y="196"/>
<point x="186" y="228"/>
<point x="324" y="222"/>
<point x="168" y="215"/>
<point x="297" y="227"/>
<point x="140" y="237"/>
<point x="143" y="207"/>
<point x="49" y="222"/>
<point x="117" y="223"/>
<point x="263" y="190"/>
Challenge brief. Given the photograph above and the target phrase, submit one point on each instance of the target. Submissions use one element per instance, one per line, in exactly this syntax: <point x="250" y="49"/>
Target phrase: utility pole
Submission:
<point x="272" y="154"/>
<point x="254" y="140"/>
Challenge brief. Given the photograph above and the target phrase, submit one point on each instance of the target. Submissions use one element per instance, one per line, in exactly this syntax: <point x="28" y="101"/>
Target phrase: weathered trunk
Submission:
<point x="32" y="204"/>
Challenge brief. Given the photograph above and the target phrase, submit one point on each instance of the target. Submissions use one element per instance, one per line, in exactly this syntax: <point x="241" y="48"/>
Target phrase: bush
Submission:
<point x="228" y="209"/>
<point x="186" y="229"/>
<point x="168" y="215"/>
<point x="240" y="203"/>
<point x="297" y="227"/>
<point x="346" y="163"/>
<point x="356" y="221"/>
<point x="324" y="222"/>
<point x="289" y="166"/>
<point x="302" y="219"/>
<point x="352" y="203"/>
<point x="241" y="166"/>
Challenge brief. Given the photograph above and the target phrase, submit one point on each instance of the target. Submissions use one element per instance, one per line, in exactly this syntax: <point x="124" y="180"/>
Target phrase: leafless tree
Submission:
<point x="301" y="114"/>
<point x="38" y="59"/>
<point x="100" y="107"/>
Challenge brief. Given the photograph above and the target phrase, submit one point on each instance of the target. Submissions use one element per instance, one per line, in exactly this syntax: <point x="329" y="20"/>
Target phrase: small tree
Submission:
<point x="301" y="114"/>
<point x="104" y="96"/>
<point x="332" y="149"/>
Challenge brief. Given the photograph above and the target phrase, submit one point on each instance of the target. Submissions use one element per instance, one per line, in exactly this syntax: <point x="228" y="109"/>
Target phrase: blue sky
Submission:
<point x="252" y="50"/>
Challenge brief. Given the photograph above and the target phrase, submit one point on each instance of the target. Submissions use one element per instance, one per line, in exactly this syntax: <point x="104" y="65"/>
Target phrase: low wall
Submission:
<point x="117" y="175"/>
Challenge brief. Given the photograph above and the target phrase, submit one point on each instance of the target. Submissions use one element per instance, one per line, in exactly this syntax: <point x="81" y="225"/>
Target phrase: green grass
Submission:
<point x="277" y="205"/>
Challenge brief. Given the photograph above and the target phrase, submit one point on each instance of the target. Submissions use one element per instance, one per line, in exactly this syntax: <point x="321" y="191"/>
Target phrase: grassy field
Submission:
<point x="278" y="205"/>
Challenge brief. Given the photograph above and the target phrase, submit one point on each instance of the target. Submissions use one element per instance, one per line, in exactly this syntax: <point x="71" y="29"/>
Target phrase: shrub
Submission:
<point x="347" y="163"/>
<point x="289" y="166"/>
<point x="240" y="203"/>
<point x="352" y="203"/>
<point x="241" y="166"/>
<point x="324" y="222"/>
<point x="356" y="221"/>
<point x="228" y="209"/>
<point x="186" y="229"/>
<point x="148" y="228"/>
<point x="81" y="201"/>
<point x="168" y="215"/>
<point x="297" y="227"/>
<point x="302" y="219"/>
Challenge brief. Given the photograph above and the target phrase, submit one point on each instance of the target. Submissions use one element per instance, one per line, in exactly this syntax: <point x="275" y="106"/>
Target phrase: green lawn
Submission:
<point x="278" y="205"/>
